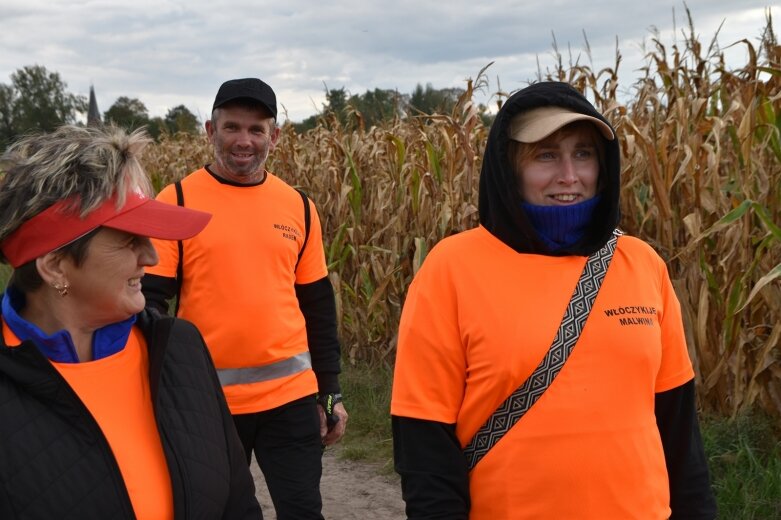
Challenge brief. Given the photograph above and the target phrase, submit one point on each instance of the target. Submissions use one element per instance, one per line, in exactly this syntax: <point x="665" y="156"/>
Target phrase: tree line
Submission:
<point x="373" y="107"/>
<point x="37" y="100"/>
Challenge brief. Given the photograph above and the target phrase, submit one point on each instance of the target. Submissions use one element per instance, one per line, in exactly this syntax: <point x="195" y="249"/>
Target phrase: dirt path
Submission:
<point x="351" y="491"/>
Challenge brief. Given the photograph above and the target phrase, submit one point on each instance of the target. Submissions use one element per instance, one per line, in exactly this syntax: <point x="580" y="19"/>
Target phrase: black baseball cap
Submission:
<point x="247" y="88"/>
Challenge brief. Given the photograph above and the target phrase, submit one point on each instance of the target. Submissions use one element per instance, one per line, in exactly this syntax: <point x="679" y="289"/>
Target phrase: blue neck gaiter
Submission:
<point x="561" y="226"/>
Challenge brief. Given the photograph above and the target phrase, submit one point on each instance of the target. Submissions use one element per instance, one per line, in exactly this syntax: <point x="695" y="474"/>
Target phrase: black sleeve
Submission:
<point x="158" y="290"/>
<point x="691" y="496"/>
<point x="434" y="475"/>
<point x="318" y="306"/>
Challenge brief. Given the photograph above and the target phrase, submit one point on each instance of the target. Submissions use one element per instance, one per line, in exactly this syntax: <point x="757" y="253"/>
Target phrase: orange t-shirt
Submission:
<point x="116" y="392"/>
<point x="239" y="280"/>
<point x="477" y="321"/>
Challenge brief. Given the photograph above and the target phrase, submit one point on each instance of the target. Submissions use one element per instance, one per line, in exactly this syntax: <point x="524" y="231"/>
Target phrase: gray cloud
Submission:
<point x="178" y="52"/>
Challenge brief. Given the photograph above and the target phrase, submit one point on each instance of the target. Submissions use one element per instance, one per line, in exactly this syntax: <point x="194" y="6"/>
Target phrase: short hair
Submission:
<point x="87" y="165"/>
<point x="26" y="278"/>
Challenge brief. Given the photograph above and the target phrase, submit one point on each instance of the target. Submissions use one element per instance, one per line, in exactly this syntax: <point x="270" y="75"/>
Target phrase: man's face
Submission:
<point x="242" y="138"/>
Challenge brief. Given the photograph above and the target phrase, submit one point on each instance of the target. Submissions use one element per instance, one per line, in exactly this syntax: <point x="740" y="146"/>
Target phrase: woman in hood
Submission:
<point x="542" y="368"/>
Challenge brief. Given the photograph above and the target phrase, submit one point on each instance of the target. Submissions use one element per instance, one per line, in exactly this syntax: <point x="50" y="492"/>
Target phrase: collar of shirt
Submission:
<point x="59" y="347"/>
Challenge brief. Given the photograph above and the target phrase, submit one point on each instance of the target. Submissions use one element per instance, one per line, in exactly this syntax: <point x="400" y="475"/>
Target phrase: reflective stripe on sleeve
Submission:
<point x="245" y="375"/>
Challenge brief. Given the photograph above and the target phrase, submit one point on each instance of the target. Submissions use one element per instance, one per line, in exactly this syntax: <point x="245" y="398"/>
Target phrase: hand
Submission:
<point x="337" y="431"/>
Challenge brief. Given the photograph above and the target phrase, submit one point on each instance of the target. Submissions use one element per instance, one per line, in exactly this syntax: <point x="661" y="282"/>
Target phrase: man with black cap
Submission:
<point x="256" y="284"/>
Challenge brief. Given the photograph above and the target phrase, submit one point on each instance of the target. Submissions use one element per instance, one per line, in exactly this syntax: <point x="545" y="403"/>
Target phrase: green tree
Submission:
<point x="307" y="124"/>
<point x="336" y="102"/>
<point x="40" y="102"/>
<point x="335" y="106"/>
<point x="433" y="101"/>
<point x="180" y="119"/>
<point x="156" y="127"/>
<point x="376" y="106"/>
<point x="7" y="132"/>
<point x="127" y="113"/>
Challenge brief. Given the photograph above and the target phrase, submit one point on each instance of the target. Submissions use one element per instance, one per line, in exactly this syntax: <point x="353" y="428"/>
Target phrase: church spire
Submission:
<point x="93" y="115"/>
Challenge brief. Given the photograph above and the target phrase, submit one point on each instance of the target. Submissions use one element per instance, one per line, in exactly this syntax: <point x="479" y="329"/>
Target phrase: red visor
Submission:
<point x="60" y="224"/>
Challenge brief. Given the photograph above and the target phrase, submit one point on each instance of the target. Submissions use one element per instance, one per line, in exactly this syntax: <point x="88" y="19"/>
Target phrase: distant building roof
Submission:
<point x="93" y="114"/>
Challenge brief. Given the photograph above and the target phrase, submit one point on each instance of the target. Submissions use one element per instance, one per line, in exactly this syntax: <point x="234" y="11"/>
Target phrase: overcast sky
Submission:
<point x="172" y="52"/>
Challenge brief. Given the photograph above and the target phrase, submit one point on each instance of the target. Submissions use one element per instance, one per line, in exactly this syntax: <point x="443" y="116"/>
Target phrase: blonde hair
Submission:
<point x="86" y="165"/>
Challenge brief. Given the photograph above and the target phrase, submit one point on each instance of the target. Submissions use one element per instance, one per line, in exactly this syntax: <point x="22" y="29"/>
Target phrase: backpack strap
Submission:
<point x="156" y="331"/>
<point x="180" y="264"/>
<point x="522" y="399"/>
<point x="307" y="225"/>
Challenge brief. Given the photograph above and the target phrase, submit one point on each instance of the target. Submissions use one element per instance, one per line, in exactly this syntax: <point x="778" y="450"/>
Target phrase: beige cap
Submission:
<point x="538" y="123"/>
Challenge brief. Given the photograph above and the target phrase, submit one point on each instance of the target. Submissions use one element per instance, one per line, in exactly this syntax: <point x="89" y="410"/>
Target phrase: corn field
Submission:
<point x="701" y="182"/>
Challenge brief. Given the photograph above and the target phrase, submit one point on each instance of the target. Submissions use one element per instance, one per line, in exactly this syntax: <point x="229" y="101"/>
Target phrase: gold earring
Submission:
<point x="61" y="288"/>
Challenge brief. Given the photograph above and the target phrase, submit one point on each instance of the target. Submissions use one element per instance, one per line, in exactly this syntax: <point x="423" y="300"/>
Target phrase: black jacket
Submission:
<point x="435" y="482"/>
<point x="55" y="461"/>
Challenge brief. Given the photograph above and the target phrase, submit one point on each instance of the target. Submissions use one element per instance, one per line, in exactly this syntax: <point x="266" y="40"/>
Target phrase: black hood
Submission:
<point x="499" y="205"/>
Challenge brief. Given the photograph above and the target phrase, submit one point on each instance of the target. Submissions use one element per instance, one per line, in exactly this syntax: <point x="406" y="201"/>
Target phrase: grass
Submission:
<point x="367" y="399"/>
<point x="744" y="453"/>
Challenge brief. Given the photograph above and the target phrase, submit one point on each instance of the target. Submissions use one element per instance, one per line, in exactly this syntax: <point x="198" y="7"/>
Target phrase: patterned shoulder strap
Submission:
<point x="522" y="399"/>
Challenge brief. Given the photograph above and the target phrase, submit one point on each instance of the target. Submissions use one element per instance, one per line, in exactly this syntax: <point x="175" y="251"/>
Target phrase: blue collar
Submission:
<point x="561" y="226"/>
<point x="59" y="347"/>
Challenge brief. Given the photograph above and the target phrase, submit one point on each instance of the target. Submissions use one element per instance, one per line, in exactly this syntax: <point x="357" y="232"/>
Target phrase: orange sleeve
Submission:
<point x="430" y="370"/>
<point x="676" y="368"/>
